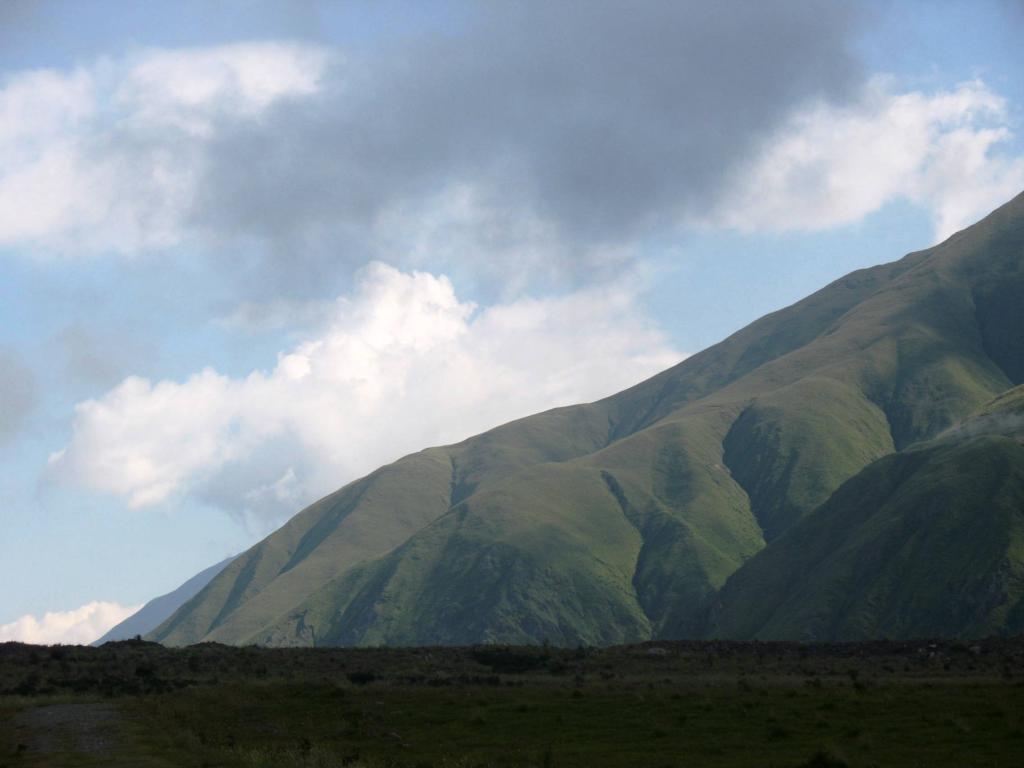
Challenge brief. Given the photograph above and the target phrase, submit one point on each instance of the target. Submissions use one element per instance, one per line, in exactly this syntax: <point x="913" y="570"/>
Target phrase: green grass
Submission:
<point x="691" y="704"/>
<point x="732" y="723"/>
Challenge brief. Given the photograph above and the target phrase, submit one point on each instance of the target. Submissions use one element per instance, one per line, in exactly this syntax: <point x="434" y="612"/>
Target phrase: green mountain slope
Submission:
<point x="621" y="520"/>
<point x="926" y="542"/>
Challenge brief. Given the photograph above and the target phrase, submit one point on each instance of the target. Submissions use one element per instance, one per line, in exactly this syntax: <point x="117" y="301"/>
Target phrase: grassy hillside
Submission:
<point x="926" y="542"/>
<point x="621" y="520"/>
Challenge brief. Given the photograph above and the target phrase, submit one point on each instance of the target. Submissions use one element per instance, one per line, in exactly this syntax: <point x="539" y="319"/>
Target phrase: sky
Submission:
<point x="251" y="250"/>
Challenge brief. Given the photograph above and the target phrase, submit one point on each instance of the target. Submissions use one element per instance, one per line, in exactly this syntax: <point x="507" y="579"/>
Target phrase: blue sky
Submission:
<point x="251" y="250"/>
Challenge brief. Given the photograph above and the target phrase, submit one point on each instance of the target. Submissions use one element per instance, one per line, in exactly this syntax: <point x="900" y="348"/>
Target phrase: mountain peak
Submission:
<point x="644" y="514"/>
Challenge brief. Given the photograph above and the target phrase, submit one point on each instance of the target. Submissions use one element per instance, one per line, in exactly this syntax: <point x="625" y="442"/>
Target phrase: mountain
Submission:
<point x="157" y="610"/>
<point x="622" y="520"/>
<point x="922" y="543"/>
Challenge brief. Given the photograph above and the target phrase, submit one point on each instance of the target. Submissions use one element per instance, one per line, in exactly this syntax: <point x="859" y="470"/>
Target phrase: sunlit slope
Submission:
<point x="926" y="542"/>
<point x="367" y="518"/>
<point x="621" y="520"/>
<point x="557" y="551"/>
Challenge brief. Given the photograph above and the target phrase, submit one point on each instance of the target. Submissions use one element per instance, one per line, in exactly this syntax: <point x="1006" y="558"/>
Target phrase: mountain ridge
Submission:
<point x="159" y="609"/>
<point x="620" y="520"/>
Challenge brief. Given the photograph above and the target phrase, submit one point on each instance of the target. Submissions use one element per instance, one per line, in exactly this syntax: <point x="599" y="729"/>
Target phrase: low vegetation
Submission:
<point x="655" y="704"/>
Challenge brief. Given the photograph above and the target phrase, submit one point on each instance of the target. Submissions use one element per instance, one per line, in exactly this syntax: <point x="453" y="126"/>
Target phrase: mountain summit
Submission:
<point x="846" y="467"/>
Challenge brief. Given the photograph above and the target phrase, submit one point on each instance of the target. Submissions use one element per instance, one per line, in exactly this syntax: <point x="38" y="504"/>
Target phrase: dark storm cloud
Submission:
<point x="13" y="12"/>
<point x="17" y="395"/>
<point x="97" y="360"/>
<point x="603" y="119"/>
<point x="17" y="23"/>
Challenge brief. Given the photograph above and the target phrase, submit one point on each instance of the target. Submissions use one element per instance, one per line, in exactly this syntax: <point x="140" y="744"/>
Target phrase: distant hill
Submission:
<point x="805" y="477"/>
<point x="157" y="610"/>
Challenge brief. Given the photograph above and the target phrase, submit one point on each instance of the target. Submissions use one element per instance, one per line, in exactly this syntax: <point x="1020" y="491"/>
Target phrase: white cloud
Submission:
<point x="186" y="88"/>
<point x="107" y="157"/>
<point x="80" y="626"/>
<point x="164" y="147"/>
<point x="833" y="165"/>
<point x="402" y="363"/>
<point x="38" y="105"/>
<point x="534" y="133"/>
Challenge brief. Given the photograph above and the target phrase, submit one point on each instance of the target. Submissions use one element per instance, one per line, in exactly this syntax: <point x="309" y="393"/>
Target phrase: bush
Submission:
<point x="361" y="678"/>
<point x="824" y="760"/>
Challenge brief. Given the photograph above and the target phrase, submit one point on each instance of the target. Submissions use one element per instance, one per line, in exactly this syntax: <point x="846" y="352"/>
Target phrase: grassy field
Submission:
<point x="665" y="704"/>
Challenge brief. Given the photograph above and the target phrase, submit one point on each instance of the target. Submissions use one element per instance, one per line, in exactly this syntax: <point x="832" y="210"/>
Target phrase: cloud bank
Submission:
<point x="106" y="158"/>
<point x="541" y="134"/>
<point x="534" y="142"/>
<point x="401" y="364"/>
<point x="80" y="626"/>
<point x="832" y="165"/>
<point x="558" y="130"/>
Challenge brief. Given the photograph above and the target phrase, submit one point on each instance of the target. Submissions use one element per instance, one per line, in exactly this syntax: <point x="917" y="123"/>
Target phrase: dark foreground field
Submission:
<point x="662" y="704"/>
